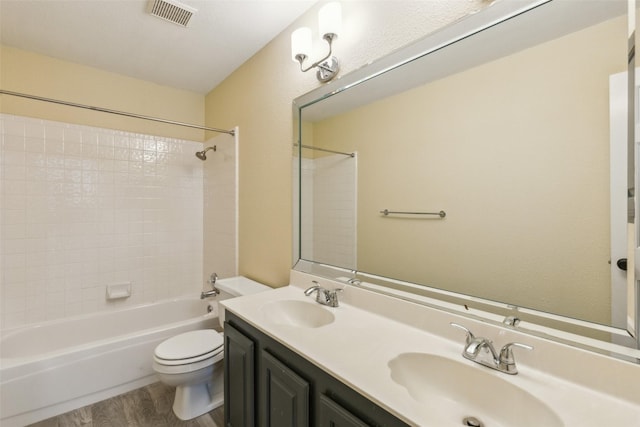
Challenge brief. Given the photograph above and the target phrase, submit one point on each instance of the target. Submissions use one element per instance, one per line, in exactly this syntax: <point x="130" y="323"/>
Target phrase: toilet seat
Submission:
<point x="189" y="348"/>
<point x="161" y="368"/>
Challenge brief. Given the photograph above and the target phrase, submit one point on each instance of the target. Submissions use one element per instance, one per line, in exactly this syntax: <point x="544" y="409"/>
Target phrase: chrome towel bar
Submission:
<point x="387" y="212"/>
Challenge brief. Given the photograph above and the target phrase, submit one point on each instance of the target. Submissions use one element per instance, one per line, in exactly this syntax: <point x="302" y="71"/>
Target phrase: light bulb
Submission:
<point x="301" y="43"/>
<point x="330" y="19"/>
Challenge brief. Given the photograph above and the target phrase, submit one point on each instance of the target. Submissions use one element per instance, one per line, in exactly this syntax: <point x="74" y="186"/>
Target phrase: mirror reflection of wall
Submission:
<point x="516" y="151"/>
<point x="329" y="205"/>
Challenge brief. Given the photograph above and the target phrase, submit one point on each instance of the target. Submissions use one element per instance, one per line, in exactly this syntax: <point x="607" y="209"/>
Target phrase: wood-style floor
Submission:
<point x="149" y="406"/>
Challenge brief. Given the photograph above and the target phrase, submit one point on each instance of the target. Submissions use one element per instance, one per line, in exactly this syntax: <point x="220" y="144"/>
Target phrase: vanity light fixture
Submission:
<point x="329" y="23"/>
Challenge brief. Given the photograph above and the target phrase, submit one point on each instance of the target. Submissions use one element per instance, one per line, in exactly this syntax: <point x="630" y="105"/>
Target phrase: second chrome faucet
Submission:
<point x="481" y="350"/>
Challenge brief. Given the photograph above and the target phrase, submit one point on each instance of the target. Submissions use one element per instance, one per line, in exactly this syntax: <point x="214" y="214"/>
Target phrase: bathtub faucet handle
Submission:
<point x="214" y="291"/>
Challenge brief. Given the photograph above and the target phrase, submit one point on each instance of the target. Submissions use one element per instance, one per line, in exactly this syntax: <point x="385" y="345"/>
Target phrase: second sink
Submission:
<point x="458" y="391"/>
<point x="297" y="313"/>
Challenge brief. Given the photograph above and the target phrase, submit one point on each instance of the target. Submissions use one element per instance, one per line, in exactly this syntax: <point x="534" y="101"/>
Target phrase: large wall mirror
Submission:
<point x="486" y="164"/>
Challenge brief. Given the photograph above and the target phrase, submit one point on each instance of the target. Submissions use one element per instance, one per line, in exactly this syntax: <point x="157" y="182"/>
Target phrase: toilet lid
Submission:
<point x="189" y="345"/>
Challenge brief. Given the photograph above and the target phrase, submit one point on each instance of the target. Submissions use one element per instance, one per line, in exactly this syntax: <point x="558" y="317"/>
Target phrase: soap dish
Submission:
<point x="119" y="290"/>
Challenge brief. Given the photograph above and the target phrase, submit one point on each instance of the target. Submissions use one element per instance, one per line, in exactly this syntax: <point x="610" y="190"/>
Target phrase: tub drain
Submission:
<point x="472" y="422"/>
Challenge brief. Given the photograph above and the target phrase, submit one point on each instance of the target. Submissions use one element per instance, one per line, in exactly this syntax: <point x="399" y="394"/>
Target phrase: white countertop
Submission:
<point x="582" y="388"/>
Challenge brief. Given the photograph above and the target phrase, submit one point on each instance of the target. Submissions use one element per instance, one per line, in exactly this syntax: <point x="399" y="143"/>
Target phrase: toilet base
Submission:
<point x="195" y="400"/>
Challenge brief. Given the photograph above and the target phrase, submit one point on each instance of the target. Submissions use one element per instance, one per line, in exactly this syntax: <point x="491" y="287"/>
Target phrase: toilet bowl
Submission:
<point x="193" y="361"/>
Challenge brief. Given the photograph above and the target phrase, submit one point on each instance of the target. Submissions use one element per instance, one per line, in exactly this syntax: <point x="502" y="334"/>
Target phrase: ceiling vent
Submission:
<point x="172" y="11"/>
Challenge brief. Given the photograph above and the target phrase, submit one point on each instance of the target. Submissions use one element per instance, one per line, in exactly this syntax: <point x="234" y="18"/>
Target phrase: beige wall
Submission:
<point x="517" y="153"/>
<point x="258" y="96"/>
<point x="35" y="74"/>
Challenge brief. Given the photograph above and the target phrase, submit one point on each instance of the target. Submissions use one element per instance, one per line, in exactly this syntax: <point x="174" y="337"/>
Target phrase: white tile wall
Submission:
<point x="307" y="212"/>
<point x="83" y="207"/>
<point x="328" y="223"/>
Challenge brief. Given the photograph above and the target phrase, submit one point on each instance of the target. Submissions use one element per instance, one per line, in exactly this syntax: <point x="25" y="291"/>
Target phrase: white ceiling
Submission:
<point x="120" y="36"/>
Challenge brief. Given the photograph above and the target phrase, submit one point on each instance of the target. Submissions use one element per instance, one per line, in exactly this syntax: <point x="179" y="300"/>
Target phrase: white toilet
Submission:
<point x="192" y="361"/>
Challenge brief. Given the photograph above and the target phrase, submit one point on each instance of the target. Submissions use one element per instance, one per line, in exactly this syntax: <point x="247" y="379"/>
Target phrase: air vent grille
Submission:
<point x="172" y="11"/>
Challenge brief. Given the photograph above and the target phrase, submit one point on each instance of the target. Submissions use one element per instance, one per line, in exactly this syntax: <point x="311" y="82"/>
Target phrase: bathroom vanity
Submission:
<point x="377" y="360"/>
<point x="271" y="385"/>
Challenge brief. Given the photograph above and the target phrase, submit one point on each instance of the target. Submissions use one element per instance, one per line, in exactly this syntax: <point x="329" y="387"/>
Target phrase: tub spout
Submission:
<point x="208" y="294"/>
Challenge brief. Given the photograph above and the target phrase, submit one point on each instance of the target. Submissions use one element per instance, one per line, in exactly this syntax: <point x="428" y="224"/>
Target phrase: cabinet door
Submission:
<point x="334" y="415"/>
<point x="284" y="399"/>
<point x="239" y="379"/>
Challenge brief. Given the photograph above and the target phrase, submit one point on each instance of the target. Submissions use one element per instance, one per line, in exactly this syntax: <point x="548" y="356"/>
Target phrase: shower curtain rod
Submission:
<point x="325" y="150"/>
<point x="120" y="113"/>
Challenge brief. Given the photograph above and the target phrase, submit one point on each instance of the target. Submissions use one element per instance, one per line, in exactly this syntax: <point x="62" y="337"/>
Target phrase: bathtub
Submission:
<point x="51" y="368"/>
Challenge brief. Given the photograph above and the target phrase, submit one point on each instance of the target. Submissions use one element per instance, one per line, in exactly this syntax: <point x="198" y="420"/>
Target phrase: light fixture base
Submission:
<point x="328" y="69"/>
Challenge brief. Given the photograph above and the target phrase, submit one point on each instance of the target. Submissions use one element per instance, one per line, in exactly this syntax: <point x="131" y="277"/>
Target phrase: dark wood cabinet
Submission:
<point x="284" y="395"/>
<point x="269" y="385"/>
<point x="239" y="379"/>
<point x="334" y="415"/>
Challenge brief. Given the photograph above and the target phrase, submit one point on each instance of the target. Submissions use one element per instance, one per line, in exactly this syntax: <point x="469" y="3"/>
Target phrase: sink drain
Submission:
<point x="472" y="422"/>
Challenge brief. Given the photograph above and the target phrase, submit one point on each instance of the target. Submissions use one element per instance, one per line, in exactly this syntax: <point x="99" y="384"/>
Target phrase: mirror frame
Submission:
<point x="619" y="342"/>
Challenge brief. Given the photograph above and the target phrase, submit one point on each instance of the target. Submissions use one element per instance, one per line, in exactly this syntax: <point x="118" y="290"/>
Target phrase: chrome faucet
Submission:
<point x="214" y="291"/>
<point x="324" y="296"/>
<point x="481" y="350"/>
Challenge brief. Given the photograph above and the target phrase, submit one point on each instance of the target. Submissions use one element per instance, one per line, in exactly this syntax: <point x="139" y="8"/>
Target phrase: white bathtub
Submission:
<point x="54" y="367"/>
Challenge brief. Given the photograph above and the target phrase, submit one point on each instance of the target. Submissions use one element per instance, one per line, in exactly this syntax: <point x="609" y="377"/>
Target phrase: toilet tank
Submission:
<point x="235" y="287"/>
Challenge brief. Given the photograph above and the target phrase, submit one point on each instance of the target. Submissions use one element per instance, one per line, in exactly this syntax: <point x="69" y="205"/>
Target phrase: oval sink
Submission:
<point x="456" y="390"/>
<point x="297" y="313"/>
